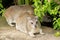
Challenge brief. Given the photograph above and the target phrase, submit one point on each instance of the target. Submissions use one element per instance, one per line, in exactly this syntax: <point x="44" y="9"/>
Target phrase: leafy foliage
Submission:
<point x="1" y="8"/>
<point x="21" y="2"/>
<point x="49" y="6"/>
<point x="57" y="34"/>
<point x="56" y="23"/>
<point x="39" y="8"/>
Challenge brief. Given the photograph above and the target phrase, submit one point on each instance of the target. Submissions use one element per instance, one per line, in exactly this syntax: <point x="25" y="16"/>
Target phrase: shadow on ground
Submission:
<point x="10" y="33"/>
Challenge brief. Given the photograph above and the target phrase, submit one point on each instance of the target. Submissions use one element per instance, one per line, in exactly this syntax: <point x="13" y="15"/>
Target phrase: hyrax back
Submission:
<point x="14" y="11"/>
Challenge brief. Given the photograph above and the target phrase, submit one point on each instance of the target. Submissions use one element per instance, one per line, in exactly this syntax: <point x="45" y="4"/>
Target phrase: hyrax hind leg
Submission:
<point x="31" y="33"/>
<point x="10" y="21"/>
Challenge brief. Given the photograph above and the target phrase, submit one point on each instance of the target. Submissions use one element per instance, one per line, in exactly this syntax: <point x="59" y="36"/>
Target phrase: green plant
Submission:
<point x="49" y="6"/>
<point x="56" y="23"/>
<point x="57" y="34"/>
<point x="2" y="9"/>
<point x="21" y="2"/>
<point x="39" y="9"/>
<point x="53" y="10"/>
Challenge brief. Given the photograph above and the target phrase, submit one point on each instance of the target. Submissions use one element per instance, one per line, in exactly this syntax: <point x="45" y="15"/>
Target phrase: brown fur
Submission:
<point x="24" y="18"/>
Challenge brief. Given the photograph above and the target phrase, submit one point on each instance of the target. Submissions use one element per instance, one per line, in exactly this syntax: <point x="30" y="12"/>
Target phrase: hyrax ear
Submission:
<point x="36" y="18"/>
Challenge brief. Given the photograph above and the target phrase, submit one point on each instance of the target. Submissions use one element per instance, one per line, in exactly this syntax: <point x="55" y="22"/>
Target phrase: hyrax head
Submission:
<point x="32" y="21"/>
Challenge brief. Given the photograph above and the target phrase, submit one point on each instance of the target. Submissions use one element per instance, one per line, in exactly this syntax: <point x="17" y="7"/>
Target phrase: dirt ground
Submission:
<point x="10" y="33"/>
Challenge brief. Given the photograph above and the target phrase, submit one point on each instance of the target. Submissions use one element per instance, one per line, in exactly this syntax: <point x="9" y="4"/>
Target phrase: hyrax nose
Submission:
<point x="35" y="26"/>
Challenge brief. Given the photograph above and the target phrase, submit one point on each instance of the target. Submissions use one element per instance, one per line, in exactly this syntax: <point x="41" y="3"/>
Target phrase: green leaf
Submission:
<point x="1" y="6"/>
<point x="57" y="34"/>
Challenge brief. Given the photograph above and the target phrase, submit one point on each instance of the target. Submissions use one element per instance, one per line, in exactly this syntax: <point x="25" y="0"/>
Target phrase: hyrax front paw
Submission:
<point x="31" y="34"/>
<point x="41" y="32"/>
